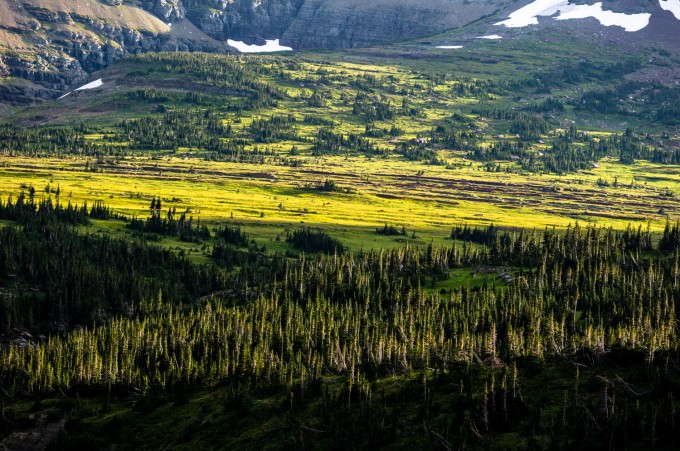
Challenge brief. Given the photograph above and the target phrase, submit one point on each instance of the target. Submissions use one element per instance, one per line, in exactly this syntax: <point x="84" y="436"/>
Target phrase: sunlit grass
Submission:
<point x="427" y="200"/>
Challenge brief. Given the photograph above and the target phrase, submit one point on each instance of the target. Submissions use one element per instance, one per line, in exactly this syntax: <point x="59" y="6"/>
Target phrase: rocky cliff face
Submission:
<point x="361" y="23"/>
<point x="249" y="20"/>
<point x="49" y="44"/>
<point x="333" y="23"/>
<point x="4" y="70"/>
<point x="168" y="10"/>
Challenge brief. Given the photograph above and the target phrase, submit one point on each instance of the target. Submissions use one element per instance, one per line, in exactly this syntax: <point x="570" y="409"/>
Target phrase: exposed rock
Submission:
<point x="62" y="41"/>
<point x="47" y="69"/>
<point x="168" y="10"/>
<point x="358" y="23"/>
<point x="46" y="15"/>
<point x="249" y="20"/>
<point x="334" y="23"/>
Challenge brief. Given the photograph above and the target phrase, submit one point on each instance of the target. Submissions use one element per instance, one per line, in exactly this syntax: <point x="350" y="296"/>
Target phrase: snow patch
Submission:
<point x="91" y="85"/>
<point x="529" y="14"/>
<point x="449" y="46"/>
<point x="270" y="46"/>
<point x="672" y="6"/>
<point x="491" y="36"/>
<point x="629" y="22"/>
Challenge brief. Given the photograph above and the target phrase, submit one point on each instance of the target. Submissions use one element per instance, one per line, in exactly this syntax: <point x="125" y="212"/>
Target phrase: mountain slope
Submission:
<point x="634" y="20"/>
<point x="47" y="45"/>
<point x="52" y="43"/>
<point x="357" y="23"/>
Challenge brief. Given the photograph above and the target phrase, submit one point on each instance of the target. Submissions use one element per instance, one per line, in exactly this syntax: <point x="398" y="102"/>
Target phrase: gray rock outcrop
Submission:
<point x="333" y="23"/>
<point x="249" y="20"/>
<point x="168" y="10"/>
<point x="359" y="23"/>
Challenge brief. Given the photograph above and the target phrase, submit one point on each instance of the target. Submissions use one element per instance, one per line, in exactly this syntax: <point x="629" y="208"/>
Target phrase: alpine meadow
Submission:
<point x="333" y="224"/>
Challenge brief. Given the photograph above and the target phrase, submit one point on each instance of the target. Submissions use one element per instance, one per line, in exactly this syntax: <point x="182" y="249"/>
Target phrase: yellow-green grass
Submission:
<point x="426" y="199"/>
<point x="267" y="200"/>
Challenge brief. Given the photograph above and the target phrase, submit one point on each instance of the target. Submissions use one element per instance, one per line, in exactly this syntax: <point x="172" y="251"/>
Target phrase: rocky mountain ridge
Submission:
<point x="51" y="43"/>
<point x="47" y="45"/>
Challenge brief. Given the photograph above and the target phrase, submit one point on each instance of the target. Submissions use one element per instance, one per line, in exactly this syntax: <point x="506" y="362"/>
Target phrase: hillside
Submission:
<point x="51" y="43"/>
<point x="47" y="45"/>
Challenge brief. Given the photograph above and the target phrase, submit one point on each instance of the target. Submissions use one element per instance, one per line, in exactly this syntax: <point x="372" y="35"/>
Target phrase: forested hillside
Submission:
<point x="361" y="339"/>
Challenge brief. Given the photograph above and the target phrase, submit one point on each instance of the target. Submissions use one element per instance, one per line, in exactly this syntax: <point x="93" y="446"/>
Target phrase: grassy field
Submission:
<point x="427" y="200"/>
